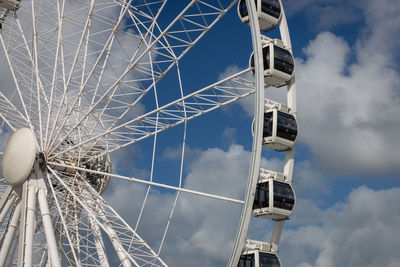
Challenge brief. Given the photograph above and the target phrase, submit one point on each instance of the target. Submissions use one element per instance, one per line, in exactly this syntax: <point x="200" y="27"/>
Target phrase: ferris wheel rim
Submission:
<point x="54" y="137"/>
<point x="44" y="139"/>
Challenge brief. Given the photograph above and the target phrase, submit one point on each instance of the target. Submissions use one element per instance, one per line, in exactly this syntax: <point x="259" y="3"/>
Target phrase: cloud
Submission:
<point x="309" y="182"/>
<point x="349" y="121"/>
<point x="229" y="135"/>
<point x="349" y="111"/>
<point x="363" y="231"/>
<point x="326" y="14"/>
<point x="347" y="95"/>
<point x="202" y="229"/>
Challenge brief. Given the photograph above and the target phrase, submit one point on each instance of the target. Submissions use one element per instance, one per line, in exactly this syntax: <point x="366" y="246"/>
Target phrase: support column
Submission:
<point x="8" y="239"/>
<point x="276" y="235"/>
<point x="99" y="244"/>
<point x="48" y="229"/>
<point x="6" y="202"/>
<point x="30" y="224"/>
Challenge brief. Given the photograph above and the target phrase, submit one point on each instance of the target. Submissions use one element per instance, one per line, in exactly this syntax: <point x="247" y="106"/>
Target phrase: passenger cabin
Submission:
<point x="268" y="12"/>
<point x="11" y="5"/>
<point x="98" y="159"/>
<point x="280" y="129"/>
<point x="278" y="63"/>
<point x="258" y="254"/>
<point x="274" y="198"/>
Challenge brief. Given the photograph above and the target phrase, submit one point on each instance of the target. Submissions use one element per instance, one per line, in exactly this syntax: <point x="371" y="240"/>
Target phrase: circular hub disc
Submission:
<point x="19" y="156"/>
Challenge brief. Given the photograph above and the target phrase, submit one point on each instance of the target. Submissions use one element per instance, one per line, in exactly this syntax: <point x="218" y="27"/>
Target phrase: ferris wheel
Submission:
<point x="86" y="79"/>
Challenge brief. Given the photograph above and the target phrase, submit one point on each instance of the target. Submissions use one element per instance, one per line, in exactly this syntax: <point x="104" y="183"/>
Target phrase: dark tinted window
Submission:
<point x="261" y="199"/>
<point x="283" y="196"/>
<point x="283" y="60"/>
<point x="268" y="260"/>
<point x="265" y="59"/>
<point x="267" y="124"/>
<point x="243" y="8"/>
<point x="287" y="126"/>
<point x="246" y="260"/>
<point x="271" y="7"/>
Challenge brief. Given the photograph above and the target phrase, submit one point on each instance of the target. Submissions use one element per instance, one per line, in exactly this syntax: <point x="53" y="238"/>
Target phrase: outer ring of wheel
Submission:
<point x="254" y="166"/>
<point x="257" y="138"/>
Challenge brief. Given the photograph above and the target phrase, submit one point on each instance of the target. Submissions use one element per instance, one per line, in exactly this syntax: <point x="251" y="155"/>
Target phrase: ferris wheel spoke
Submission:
<point x="48" y="228"/>
<point x="22" y="98"/>
<point x="196" y="104"/>
<point x="205" y="14"/>
<point x="167" y="49"/>
<point x="115" y="96"/>
<point x="60" y="166"/>
<point x="77" y="236"/>
<point x="36" y="73"/>
<point x="24" y="67"/>
<point x="74" y="71"/>
<point x="10" y="234"/>
<point x="59" y="23"/>
<point x="28" y="219"/>
<point x="62" y="227"/>
<point x="130" y="247"/>
<point x="104" y="34"/>
<point x="98" y="240"/>
<point x="10" y="114"/>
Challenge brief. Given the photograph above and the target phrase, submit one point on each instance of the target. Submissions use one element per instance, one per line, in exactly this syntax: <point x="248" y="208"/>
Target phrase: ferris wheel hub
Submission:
<point x="19" y="156"/>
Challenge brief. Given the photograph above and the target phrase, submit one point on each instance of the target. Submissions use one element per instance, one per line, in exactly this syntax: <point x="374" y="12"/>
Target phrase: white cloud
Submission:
<point x="324" y="14"/>
<point x="202" y="229"/>
<point x="229" y="135"/>
<point x="348" y="97"/>
<point x="309" y="182"/>
<point x="363" y="231"/>
<point x="349" y="111"/>
<point x="349" y="121"/>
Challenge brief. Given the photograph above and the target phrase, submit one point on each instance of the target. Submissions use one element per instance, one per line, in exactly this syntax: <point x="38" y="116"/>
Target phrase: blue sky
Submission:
<point x="347" y="156"/>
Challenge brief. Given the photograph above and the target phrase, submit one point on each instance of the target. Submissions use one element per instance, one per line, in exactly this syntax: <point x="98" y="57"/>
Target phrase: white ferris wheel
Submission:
<point x="86" y="79"/>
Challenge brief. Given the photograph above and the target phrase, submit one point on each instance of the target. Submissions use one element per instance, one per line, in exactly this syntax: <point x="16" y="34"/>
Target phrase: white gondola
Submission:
<point x="269" y="13"/>
<point x="10" y="4"/>
<point x="278" y="62"/>
<point x="275" y="198"/>
<point x="98" y="159"/>
<point x="280" y="128"/>
<point x="258" y="254"/>
<point x="5" y="7"/>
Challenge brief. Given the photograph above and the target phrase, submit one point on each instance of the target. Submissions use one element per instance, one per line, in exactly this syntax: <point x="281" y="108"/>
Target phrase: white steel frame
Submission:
<point x="75" y="92"/>
<point x="258" y="132"/>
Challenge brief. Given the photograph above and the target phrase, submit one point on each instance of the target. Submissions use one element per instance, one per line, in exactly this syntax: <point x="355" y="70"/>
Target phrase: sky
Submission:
<point x="347" y="156"/>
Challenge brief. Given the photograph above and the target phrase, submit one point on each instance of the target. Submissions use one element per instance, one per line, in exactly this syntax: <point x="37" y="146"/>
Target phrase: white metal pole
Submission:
<point x="8" y="200"/>
<point x="8" y="239"/>
<point x="115" y="241"/>
<point x="22" y="228"/>
<point x="99" y="244"/>
<point x="276" y="235"/>
<point x="289" y="164"/>
<point x="30" y="225"/>
<point x="48" y="229"/>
